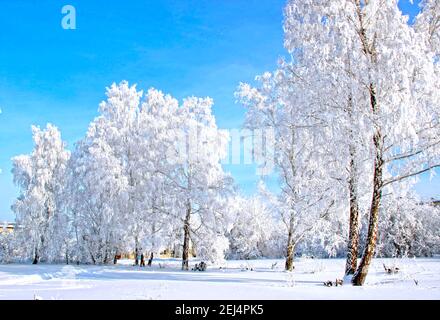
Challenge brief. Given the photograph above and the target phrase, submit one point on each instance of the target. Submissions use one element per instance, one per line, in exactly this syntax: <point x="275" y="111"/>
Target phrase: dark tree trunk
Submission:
<point x="289" y="258"/>
<point x="106" y="255"/>
<point x="153" y="234"/>
<point x="353" y="237"/>
<point x="176" y="251"/>
<point x="290" y="250"/>
<point x="186" y="239"/>
<point x="361" y="273"/>
<point x="136" y="253"/>
<point x="150" y="260"/>
<point x="290" y="253"/>
<point x="353" y="233"/>
<point x="92" y="256"/>
<point x="370" y="246"/>
<point x="36" y="257"/>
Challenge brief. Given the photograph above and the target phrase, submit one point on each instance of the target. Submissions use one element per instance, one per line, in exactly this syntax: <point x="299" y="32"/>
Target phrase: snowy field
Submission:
<point x="232" y="281"/>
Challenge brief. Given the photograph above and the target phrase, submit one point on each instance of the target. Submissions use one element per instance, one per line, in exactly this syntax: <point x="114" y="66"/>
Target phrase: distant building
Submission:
<point x="433" y="202"/>
<point x="7" y="226"/>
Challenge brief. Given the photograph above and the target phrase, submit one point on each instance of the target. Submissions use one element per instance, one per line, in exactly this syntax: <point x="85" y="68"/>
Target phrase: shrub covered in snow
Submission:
<point x="409" y="227"/>
<point x="6" y="247"/>
<point x="252" y="229"/>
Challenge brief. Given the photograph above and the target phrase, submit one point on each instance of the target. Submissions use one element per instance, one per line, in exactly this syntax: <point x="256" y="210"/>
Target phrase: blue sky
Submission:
<point x="197" y="47"/>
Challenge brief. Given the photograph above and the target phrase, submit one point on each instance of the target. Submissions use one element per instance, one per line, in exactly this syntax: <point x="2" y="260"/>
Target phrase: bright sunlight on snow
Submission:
<point x="237" y="279"/>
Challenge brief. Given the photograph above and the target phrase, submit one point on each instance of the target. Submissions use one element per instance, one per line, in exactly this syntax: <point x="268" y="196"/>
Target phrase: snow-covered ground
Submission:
<point x="265" y="281"/>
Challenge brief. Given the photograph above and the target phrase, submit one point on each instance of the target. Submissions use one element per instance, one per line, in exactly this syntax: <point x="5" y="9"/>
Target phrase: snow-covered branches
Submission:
<point x="39" y="209"/>
<point x="355" y="107"/>
<point x="146" y="167"/>
<point x="354" y="119"/>
<point x="252" y="229"/>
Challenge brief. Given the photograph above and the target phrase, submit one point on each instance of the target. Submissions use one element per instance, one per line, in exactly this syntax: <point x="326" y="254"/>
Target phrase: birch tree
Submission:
<point x="299" y="151"/>
<point x="395" y="76"/>
<point x="198" y="181"/>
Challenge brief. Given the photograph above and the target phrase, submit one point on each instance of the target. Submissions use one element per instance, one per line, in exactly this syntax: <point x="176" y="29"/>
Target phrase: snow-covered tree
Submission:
<point x="156" y="133"/>
<point x="7" y="246"/>
<point x="39" y="210"/>
<point x="427" y="25"/>
<point x="251" y="230"/>
<point x="393" y="86"/>
<point x="409" y="226"/>
<point x="133" y="180"/>
<point x="120" y="125"/>
<point x="359" y="98"/>
<point x="324" y="62"/>
<point x="131" y="140"/>
<point x="328" y="240"/>
<point x="197" y="182"/>
<point x="300" y="152"/>
<point x="98" y="197"/>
